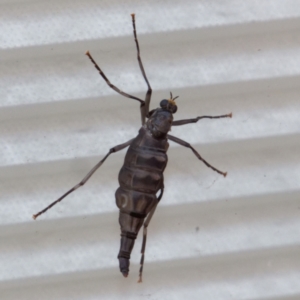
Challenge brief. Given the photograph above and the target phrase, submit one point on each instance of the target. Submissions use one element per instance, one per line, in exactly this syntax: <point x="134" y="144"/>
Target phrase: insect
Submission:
<point x="141" y="176"/>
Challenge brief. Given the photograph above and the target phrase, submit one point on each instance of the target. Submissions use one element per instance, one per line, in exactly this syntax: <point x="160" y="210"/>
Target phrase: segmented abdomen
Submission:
<point x="141" y="176"/>
<point x="140" y="179"/>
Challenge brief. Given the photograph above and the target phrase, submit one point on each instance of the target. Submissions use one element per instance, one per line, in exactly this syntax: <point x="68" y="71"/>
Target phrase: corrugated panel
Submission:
<point x="211" y="238"/>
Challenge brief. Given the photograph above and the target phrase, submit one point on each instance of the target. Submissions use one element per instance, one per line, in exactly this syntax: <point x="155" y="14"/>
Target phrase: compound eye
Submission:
<point x="164" y="103"/>
<point x="174" y="109"/>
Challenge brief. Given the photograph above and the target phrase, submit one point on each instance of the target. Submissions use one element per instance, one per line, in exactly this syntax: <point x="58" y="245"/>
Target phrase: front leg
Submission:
<point x="195" y="120"/>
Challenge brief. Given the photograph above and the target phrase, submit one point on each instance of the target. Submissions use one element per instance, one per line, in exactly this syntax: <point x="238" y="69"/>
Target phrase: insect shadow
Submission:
<point x="141" y="176"/>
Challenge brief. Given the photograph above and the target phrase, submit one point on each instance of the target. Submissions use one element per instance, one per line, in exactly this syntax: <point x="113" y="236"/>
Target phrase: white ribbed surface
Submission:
<point x="211" y="238"/>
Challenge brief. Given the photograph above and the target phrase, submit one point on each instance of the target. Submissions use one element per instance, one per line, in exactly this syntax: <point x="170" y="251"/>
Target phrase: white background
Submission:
<point x="211" y="238"/>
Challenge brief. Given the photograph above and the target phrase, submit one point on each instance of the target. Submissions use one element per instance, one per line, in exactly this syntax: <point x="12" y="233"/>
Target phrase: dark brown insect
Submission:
<point x="141" y="176"/>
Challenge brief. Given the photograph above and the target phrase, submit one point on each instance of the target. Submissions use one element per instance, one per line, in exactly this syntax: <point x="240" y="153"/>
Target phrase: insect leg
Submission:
<point x="144" y="108"/>
<point x="146" y="223"/>
<point x="86" y="178"/>
<point x="195" y="120"/>
<point x="185" y="144"/>
<point x="110" y="84"/>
